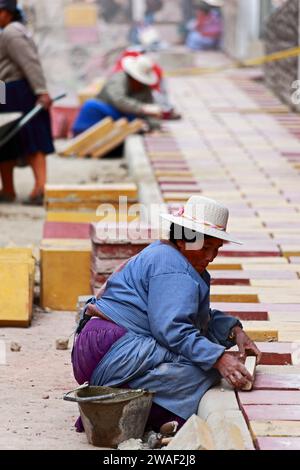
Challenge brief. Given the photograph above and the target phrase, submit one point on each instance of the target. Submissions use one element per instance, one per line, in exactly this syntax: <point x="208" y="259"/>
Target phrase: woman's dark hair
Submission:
<point x="18" y="15"/>
<point x="177" y="232"/>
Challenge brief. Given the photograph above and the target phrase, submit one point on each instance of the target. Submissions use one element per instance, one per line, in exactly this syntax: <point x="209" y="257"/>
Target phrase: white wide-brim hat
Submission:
<point x="215" y="3"/>
<point x="204" y="216"/>
<point x="141" y="69"/>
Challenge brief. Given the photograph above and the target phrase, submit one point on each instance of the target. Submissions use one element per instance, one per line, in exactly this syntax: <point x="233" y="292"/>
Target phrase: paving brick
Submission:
<point x="273" y="369"/>
<point x="89" y="217"/>
<point x="275" y="428"/>
<point x="230" y="431"/>
<point x="272" y="412"/>
<point x="66" y="230"/>
<point x="16" y="276"/>
<point x="58" y="264"/>
<point x="250" y="365"/>
<point x="88" y="192"/>
<point x="119" y="251"/>
<point x="270" y="397"/>
<point x="277" y="382"/>
<point x="249" y="316"/>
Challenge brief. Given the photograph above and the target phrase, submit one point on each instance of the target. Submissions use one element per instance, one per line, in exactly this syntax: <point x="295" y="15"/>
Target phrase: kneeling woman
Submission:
<point x="152" y="326"/>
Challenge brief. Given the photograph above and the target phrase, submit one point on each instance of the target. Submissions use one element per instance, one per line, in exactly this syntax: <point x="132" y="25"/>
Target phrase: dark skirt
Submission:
<point x="36" y="136"/>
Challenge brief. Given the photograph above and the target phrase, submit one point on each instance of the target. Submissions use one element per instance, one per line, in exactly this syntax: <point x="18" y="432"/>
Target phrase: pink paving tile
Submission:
<point x="278" y="443"/>
<point x="66" y="230"/>
<point x="239" y="307"/>
<point x="249" y="254"/>
<point x="251" y="245"/>
<point x="187" y="181"/>
<point x="82" y="35"/>
<point x="278" y="348"/>
<point x="277" y="382"/>
<point x="229" y="282"/>
<point x="270" y="397"/>
<point x="178" y="187"/>
<point x="272" y="412"/>
<point x="283" y="307"/>
<point x="258" y="275"/>
<point x="250" y="316"/>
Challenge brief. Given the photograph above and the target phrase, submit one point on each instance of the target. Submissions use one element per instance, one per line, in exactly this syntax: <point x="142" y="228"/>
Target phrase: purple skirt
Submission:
<point x="90" y="347"/>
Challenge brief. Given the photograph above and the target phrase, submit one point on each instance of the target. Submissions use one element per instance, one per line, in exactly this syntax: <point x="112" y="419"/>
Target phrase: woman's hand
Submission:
<point x="44" y="100"/>
<point x="152" y="110"/>
<point x="232" y="369"/>
<point x="246" y="346"/>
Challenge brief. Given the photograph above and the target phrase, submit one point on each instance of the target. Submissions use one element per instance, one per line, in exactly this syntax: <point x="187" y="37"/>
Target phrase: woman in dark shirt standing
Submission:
<point x="21" y="71"/>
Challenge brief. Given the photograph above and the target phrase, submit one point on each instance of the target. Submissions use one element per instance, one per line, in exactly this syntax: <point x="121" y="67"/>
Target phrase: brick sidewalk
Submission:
<point x="238" y="144"/>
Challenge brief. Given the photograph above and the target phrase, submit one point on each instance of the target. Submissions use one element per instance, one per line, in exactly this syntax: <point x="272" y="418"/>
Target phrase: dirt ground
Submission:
<point x="33" y="381"/>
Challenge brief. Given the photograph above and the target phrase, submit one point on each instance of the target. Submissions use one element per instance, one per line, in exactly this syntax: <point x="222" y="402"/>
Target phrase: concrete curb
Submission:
<point x="219" y="408"/>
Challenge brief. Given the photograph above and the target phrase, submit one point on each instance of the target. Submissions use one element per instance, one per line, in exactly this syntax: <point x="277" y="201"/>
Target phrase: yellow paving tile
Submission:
<point x="91" y="192"/>
<point x="89" y="217"/>
<point x="275" y="428"/>
<point x="65" y="275"/>
<point x="15" y="297"/>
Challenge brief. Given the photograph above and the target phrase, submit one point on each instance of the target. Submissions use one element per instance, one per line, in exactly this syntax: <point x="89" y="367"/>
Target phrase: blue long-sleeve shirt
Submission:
<point x="164" y="303"/>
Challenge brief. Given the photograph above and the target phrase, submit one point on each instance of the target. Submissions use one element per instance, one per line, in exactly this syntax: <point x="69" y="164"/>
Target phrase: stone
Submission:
<point x="15" y="347"/>
<point x="194" y="435"/>
<point x="131" y="444"/>
<point x="62" y="344"/>
<point x="169" y="429"/>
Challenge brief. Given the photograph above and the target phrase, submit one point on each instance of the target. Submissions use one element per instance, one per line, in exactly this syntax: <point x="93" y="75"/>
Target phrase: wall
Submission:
<point x="242" y="28"/>
<point x="282" y="32"/>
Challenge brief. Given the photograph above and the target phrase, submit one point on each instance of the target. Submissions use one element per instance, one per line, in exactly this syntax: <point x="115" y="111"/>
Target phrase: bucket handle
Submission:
<point x="109" y="396"/>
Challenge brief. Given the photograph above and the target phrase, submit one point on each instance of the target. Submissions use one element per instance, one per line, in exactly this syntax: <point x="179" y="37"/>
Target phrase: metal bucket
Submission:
<point x="112" y="415"/>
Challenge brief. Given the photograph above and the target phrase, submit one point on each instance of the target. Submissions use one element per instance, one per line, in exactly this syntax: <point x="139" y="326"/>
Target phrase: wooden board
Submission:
<point x="116" y="137"/>
<point x="79" y="144"/>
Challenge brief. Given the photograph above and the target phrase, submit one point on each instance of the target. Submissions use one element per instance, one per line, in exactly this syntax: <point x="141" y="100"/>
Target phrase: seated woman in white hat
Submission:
<point x="125" y="94"/>
<point x="152" y="325"/>
<point x="205" y="31"/>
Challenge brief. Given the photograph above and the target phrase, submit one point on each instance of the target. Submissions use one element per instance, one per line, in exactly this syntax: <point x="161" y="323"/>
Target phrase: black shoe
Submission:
<point x="7" y="198"/>
<point x="37" y="200"/>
